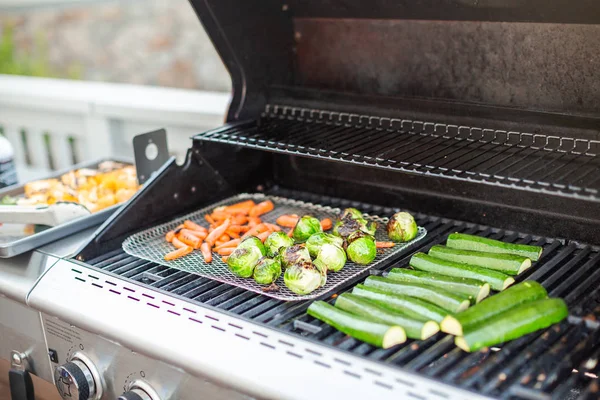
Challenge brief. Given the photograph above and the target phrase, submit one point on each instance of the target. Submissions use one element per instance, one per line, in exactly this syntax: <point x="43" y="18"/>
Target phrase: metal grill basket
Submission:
<point x="151" y="245"/>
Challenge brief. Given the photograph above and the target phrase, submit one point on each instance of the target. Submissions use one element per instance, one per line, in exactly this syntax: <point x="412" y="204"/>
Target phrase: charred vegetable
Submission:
<point x="306" y="227"/>
<point x="243" y="260"/>
<point x="330" y="258"/>
<point x="294" y="255"/>
<point x="314" y="243"/>
<point x="276" y="241"/>
<point x="352" y="220"/>
<point x="303" y="278"/>
<point x="362" y="250"/>
<point x="267" y="271"/>
<point x="253" y="241"/>
<point x="402" y="227"/>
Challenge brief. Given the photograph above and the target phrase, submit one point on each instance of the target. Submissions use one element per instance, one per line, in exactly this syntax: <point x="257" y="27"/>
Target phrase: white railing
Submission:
<point x="54" y="123"/>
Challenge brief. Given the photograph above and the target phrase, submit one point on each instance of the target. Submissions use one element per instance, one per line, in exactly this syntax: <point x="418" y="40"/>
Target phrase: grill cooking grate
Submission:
<point x="537" y="366"/>
<point x="529" y="161"/>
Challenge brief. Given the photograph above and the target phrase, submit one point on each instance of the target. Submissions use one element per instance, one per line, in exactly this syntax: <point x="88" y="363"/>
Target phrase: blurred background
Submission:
<point x="80" y="78"/>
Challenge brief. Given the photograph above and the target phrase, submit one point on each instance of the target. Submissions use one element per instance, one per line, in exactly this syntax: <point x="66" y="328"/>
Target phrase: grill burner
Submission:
<point x="531" y="367"/>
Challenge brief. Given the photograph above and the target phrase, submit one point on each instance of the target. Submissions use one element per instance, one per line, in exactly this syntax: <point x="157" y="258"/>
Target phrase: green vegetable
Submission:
<point x="410" y="306"/>
<point x="357" y="305"/>
<point x="362" y="250"/>
<point x="402" y="227"/>
<point x="352" y="220"/>
<point x="476" y="243"/>
<point x="330" y="258"/>
<point x="497" y="280"/>
<point x="267" y="271"/>
<point x="315" y="241"/>
<point x="474" y="289"/>
<point x="8" y="201"/>
<point x="513" y="324"/>
<point x="302" y="278"/>
<point x="306" y="227"/>
<point x="296" y="254"/>
<point x="520" y="293"/>
<point x="253" y="241"/>
<point x="243" y="260"/>
<point x="361" y="328"/>
<point x="507" y="263"/>
<point x="446" y="300"/>
<point x="276" y="241"/>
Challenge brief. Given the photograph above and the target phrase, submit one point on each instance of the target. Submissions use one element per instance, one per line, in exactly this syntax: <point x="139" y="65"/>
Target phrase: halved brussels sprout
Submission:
<point x="253" y="241"/>
<point x="276" y="241"/>
<point x="362" y="250"/>
<point x="402" y="227"/>
<point x="315" y="241"/>
<point x="352" y="220"/>
<point x="305" y="227"/>
<point x="294" y="255"/>
<point x="267" y="271"/>
<point x="330" y="258"/>
<point x="243" y="260"/>
<point x="302" y="278"/>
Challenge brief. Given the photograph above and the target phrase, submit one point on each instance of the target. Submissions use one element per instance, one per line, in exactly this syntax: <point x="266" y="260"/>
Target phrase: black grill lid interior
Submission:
<point x="533" y="55"/>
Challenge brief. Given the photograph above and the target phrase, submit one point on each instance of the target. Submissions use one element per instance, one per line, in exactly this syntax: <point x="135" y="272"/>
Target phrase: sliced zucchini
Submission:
<point x="471" y="242"/>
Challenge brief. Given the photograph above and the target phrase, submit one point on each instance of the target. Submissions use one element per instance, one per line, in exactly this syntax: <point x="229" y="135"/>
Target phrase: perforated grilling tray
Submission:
<point x="151" y="245"/>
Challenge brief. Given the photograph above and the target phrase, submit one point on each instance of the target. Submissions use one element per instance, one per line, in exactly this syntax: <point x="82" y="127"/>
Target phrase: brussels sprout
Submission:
<point x="315" y="241"/>
<point x="253" y="241"/>
<point x="330" y="258"/>
<point x="402" y="227"/>
<point x="302" y="278"/>
<point x="352" y="220"/>
<point x="276" y="241"/>
<point x="305" y="227"/>
<point x="362" y="250"/>
<point x="267" y="271"/>
<point x="294" y="255"/>
<point x="243" y="260"/>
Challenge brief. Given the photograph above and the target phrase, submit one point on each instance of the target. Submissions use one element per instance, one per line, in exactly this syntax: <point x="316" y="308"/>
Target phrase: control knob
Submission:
<point x="139" y="390"/>
<point x="135" y="394"/>
<point x="78" y="380"/>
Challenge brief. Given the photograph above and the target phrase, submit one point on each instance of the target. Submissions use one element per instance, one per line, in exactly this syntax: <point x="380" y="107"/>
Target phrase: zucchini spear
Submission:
<point x="507" y="263"/>
<point x="477" y="243"/>
<point x="514" y="323"/>
<point x="446" y="300"/>
<point x="361" y="328"/>
<point x="497" y="280"/>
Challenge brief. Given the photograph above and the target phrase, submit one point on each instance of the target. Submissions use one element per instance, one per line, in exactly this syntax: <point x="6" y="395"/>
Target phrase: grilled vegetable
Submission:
<point x="474" y="289"/>
<point x="243" y="260"/>
<point x="352" y="220"/>
<point x="294" y="255"/>
<point x="276" y="241"/>
<point x="472" y="242"/>
<point x="303" y="278"/>
<point x="514" y="323"/>
<point x="415" y="328"/>
<point x="361" y="328"/>
<point x="8" y="201"/>
<point x="315" y="241"/>
<point x="507" y="263"/>
<point x="520" y="293"/>
<point x="261" y="208"/>
<point x="330" y="258"/>
<point x="180" y="252"/>
<point x="411" y="306"/>
<point x="326" y="224"/>
<point x="306" y="227"/>
<point x="267" y="271"/>
<point x="497" y="280"/>
<point x="362" y="250"/>
<point x="446" y="300"/>
<point x="253" y="241"/>
<point x="402" y="227"/>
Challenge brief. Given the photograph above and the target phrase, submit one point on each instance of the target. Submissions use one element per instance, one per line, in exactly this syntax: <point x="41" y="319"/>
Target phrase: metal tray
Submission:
<point x="11" y="246"/>
<point x="150" y="245"/>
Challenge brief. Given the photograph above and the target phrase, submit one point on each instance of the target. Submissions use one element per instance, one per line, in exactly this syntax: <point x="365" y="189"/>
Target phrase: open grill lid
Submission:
<point x="489" y="58"/>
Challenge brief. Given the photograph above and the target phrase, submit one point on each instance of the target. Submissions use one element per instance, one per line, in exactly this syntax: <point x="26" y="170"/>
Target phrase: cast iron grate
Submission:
<point x="537" y="366"/>
<point x="536" y="162"/>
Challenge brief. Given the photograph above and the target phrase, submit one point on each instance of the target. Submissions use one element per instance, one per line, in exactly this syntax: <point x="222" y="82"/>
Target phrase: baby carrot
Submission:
<point x="178" y="243"/>
<point x="198" y="234"/>
<point x="193" y="226"/>
<point x="190" y="240"/>
<point x="326" y="224"/>
<point x="288" y="221"/>
<point x="263" y="236"/>
<point x="384" y="245"/>
<point x="206" y="253"/>
<point x="231" y="243"/>
<point x="262" y="208"/>
<point x="214" y="235"/>
<point x="169" y="236"/>
<point x="209" y="219"/>
<point x="224" y="238"/>
<point x="178" y="253"/>
<point x="272" y="227"/>
<point x="226" y="251"/>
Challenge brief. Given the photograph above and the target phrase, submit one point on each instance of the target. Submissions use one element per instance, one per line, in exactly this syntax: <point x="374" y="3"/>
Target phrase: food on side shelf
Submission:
<point x="243" y="260"/>
<point x="330" y="258"/>
<point x="415" y="328"/>
<point x="303" y="278"/>
<point x="443" y="298"/>
<point x="267" y="271"/>
<point x="507" y="263"/>
<point x="497" y="280"/>
<point x="293" y="255"/>
<point x="474" y="289"/>
<point x="520" y="293"/>
<point x="8" y="201"/>
<point x="513" y="324"/>
<point x="361" y="249"/>
<point x="305" y="227"/>
<point x="276" y="241"/>
<point x="361" y="328"/>
<point x="316" y="240"/>
<point x="471" y="242"/>
<point x="352" y="220"/>
<point x="410" y="306"/>
<point x="402" y="227"/>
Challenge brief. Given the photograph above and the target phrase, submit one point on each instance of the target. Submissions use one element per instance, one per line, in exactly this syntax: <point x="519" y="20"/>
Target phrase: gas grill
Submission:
<point x="479" y="118"/>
